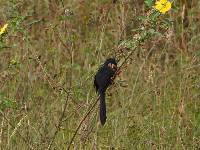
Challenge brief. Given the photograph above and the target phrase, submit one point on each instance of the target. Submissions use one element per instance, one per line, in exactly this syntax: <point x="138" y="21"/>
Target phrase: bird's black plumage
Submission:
<point x="103" y="79"/>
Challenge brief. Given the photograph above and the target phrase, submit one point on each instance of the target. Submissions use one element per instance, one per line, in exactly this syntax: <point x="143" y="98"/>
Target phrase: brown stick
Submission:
<point x="86" y="115"/>
<point x="59" y="122"/>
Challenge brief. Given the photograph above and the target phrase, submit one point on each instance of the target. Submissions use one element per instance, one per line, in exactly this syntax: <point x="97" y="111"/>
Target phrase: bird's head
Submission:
<point x="111" y="63"/>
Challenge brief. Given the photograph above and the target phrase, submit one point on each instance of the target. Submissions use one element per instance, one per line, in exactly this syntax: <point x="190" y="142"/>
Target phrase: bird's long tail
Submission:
<point x="102" y="107"/>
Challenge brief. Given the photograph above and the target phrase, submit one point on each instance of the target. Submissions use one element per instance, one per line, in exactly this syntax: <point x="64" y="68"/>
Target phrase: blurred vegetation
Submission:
<point x="48" y="58"/>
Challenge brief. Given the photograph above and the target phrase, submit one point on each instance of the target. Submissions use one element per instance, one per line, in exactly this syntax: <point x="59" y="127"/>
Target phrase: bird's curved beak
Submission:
<point x="112" y="66"/>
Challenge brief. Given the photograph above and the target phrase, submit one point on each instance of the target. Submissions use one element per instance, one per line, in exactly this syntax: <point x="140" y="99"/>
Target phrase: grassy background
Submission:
<point x="154" y="104"/>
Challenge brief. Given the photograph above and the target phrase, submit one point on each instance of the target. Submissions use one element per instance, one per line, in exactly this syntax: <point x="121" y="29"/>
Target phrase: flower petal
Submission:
<point x="163" y="1"/>
<point x="163" y="6"/>
<point x="158" y="6"/>
<point x="168" y="6"/>
<point x="163" y="11"/>
<point x="3" y="29"/>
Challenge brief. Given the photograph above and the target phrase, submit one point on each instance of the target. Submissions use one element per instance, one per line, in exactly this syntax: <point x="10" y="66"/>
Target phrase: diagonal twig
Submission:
<point x="81" y="122"/>
<point x="59" y="122"/>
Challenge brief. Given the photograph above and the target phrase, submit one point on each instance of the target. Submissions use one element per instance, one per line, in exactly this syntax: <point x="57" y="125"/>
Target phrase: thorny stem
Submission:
<point x="59" y="122"/>
<point x="55" y="85"/>
<point x="65" y="105"/>
<point x="81" y="122"/>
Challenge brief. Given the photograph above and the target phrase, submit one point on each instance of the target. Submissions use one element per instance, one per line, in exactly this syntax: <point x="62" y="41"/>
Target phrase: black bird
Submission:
<point x="102" y="80"/>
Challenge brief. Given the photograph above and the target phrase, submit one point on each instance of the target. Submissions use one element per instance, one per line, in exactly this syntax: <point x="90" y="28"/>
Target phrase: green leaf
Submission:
<point x="149" y="3"/>
<point x="6" y="102"/>
<point x="197" y="53"/>
<point x="155" y="15"/>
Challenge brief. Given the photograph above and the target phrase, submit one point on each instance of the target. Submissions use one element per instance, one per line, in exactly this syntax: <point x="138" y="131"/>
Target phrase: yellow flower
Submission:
<point x="3" y="29"/>
<point x="163" y="6"/>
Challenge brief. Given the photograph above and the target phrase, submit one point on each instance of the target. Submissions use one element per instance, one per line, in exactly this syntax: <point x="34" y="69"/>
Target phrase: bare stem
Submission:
<point x="81" y="122"/>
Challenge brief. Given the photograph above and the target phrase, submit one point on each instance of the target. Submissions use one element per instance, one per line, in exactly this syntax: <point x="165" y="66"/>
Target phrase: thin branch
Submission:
<point x="54" y="85"/>
<point x="81" y="122"/>
<point x="59" y="123"/>
<point x="68" y="95"/>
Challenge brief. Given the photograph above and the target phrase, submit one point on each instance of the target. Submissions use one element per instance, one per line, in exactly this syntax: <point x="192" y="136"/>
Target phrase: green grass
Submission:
<point x="157" y="108"/>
